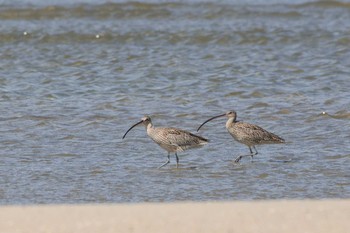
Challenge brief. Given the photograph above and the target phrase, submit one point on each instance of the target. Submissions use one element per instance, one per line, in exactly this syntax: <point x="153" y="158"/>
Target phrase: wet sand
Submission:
<point x="257" y="216"/>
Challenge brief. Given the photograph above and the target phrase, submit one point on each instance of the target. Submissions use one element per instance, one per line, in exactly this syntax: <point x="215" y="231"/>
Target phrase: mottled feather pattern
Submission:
<point x="172" y="139"/>
<point x="250" y="134"/>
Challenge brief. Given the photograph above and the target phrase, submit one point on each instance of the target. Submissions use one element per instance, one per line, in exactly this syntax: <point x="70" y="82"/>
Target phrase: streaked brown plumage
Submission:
<point x="172" y="140"/>
<point x="247" y="133"/>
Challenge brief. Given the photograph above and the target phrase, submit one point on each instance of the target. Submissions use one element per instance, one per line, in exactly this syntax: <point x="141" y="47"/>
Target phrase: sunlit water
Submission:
<point x="75" y="77"/>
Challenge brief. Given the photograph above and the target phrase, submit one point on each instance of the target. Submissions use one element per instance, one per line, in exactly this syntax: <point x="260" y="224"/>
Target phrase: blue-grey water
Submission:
<point x="75" y="76"/>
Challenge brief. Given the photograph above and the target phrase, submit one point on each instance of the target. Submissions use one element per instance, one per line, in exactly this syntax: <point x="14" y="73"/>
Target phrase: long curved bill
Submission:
<point x="210" y="120"/>
<point x="132" y="128"/>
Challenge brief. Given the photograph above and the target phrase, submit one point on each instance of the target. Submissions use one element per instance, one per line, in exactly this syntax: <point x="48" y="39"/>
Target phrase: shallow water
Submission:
<point x="75" y="77"/>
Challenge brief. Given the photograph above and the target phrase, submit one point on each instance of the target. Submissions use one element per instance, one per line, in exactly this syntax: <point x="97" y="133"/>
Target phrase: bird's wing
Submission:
<point x="257" y="133"/>
<point x="183" y="139"/>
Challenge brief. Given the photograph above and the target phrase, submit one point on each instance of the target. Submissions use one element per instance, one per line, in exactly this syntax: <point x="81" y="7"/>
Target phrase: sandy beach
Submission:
<point x="257" y="216"/>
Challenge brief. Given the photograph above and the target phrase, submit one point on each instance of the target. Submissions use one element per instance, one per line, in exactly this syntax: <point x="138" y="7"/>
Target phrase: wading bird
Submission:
<point x="246" y="133"/>
<point x="172" y="140"/>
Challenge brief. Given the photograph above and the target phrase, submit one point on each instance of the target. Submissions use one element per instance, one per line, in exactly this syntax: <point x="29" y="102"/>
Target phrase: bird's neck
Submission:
<point x="230" y="122"/>
<point x="149" y="126"/>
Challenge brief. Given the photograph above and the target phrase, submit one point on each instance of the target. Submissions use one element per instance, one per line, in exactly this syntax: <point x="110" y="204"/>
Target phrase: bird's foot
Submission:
<point x="241" y="156"/>
<point x="164" y="164"/>
<point x="238" y="159"/>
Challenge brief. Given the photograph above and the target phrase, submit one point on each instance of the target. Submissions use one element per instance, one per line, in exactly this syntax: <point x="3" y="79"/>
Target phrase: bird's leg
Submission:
<point x="256" y="151"/>
<point x="177" y="160"/>
<point x="251" y="155"/>
<point x="168" y="161"/>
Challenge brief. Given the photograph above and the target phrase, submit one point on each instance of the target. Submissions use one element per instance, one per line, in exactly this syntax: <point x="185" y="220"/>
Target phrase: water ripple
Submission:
<point x="75" y="77"/>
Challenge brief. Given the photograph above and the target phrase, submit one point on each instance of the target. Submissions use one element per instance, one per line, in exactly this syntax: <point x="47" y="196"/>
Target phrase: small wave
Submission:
<point x="132" y="10"/>
<point x="103" y="11"/>
<point x="324" y="4"/>
<point x="205" y="37"/>
<point x="340" y="115"/>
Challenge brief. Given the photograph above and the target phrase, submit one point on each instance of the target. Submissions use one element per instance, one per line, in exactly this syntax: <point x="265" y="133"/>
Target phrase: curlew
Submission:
<point x="172" y="140"/>
<point x="246" y="133"/>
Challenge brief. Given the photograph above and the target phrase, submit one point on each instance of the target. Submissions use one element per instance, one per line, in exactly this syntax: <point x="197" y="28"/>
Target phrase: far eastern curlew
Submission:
<point x="172" y="140"/>
<point x="246" y="133"/>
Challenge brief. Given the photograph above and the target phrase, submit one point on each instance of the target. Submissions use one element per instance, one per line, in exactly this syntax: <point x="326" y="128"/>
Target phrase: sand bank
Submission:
<point x="326" y="216"/>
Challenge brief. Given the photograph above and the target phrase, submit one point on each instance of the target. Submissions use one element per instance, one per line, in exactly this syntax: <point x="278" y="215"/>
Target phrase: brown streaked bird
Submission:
<point x="172" y="140"/>
<point x="246" y="133"/>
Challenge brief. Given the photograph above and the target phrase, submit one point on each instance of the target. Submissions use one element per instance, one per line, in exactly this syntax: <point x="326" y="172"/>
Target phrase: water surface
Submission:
<point x="75" y="77"/>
